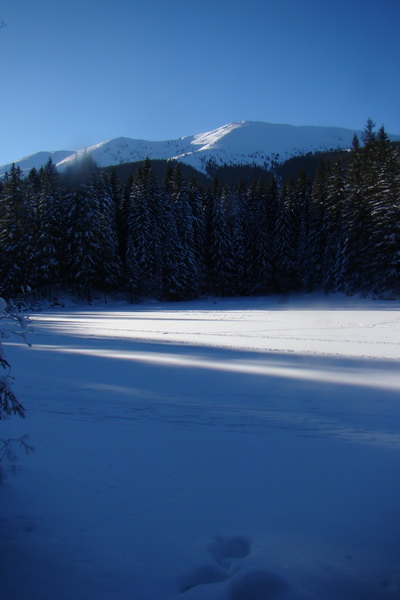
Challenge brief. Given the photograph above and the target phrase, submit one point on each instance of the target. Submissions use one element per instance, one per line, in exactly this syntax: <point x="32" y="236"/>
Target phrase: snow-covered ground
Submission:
<point x="245" y="449"/>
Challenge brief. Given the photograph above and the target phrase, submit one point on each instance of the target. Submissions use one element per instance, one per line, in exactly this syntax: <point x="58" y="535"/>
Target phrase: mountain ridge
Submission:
<point x="239" y="143"/>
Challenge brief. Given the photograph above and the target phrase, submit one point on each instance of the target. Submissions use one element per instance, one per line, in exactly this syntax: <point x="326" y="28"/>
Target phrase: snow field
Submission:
<point x="245" y="449"/>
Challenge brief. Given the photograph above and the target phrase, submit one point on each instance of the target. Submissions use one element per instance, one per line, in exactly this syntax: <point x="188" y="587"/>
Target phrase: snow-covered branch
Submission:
<point x="14" y="324"/>
<point x="8" y="450"/>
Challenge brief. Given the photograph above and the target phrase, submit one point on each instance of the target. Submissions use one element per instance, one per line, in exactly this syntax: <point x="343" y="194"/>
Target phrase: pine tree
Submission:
<point x="143" y="255"/>
<point x="196" y="201"/>
<point x="301" y="203"/>
<point x="51" y="243"/>
<point x="241" y="258"/>
<point x="262" y="243"/>
<point x="312" y="269"/>
<point x="84" y="246"/>
<point x="352" y="278"/>
<point x="187" y="258"/>
<point x="222" y="274"/>
<point x="332" y="226"/>
<point x="110" y="267"/>
<point x="248" y="223"/>
<point x="384" y="231"/>
<point x="174" y="274"/>
<point x="120" y="197"/>
<point x="285" y="237"/>
<point x="368" y="136"/>
<point x="31" y="186"/>
<point x="16" y="235"/>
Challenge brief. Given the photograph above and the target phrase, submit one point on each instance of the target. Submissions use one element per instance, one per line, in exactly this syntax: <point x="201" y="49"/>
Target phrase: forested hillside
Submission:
<point x="88" y="230"/>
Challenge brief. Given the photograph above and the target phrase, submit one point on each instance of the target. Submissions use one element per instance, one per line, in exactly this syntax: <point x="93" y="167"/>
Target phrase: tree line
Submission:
<point x="85" y="231"/>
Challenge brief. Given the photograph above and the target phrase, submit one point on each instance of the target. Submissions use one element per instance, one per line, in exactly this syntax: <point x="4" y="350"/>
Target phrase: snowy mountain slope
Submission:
<point x="123" y="150"/>
<point x="37" y="160"/>
<point x="253" y="142"/>
<point x="242" y="142"/>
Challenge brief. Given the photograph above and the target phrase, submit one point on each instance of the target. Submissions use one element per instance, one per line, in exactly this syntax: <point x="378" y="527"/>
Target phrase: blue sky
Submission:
<point x="78" y="72"/>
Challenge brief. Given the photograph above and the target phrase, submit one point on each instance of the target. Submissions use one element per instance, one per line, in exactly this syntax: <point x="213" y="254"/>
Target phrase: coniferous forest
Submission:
<point x="84" y="231"/>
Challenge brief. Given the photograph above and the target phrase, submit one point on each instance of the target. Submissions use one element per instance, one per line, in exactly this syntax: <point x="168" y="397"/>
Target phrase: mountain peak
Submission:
<point x="240" y="142"/>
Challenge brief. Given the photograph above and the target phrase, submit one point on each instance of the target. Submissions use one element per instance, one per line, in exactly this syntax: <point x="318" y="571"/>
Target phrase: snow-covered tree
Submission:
<point x="241" y="258"/>
<point x="355" y="219"/>
<point x="333" y="227"/>
<point x="248" y="216"/>
<point x="109" y="272"/>
<point x="11" y="323"/>
<point x="263" y="262"/>
<point x="120" y="198"/>
<point x="84" y="251"/>
<point x="142" y="258"/>
<point x="174" y="273"/>
<point x="383" y="195"/>
<point x="50" y="244"/>
<point x="16" y="235"/>
<point x="312" y="268"/>
<point x="285" y="238"/>
<point x="198" y="222"/>
<point x="301" y="204"/>
<point x="180" y="270"/>
<point x="221" y="257"/>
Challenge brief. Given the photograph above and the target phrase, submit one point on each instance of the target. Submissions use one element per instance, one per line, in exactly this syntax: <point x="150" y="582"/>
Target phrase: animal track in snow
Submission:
<point x="256" y="584"/>
<point x="225" y="549"/>
<point x="244" y="583"/>
<point x="203" y="575"/>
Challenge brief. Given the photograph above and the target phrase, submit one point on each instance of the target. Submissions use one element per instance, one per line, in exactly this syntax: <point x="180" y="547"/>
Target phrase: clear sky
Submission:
<point x="78" y="72"/>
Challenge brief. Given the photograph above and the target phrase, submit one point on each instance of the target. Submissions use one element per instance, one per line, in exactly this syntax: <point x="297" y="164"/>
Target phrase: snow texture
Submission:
<point x="242" y="142"/>
<point x="239" y="449"/>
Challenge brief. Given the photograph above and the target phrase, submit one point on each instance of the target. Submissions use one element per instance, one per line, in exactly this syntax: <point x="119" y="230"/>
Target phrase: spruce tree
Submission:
<point x="241" y="257"/>
<point x="109" y="274"/>
<point x="332" y="226"/>
<point x="383" y="198"/>
<point x="285" y="238"/>
<point x="16" y="235"/>
<point x="143" y="255"/>
<point x="353" y="268"/>
<point x="51" y="243"/>
<point x="262" y="267"/>
<point x="198" y="220"/>
<point x="222" y="272"/>
<point x="174" y="272"/>
<point x="120" y="198"/>
<point x="188" y="259"/>
<point x="84" y="245"/>
<point x="312" y="270"/>
<point x="248" y="218"/>
<point x="301" y="203"/>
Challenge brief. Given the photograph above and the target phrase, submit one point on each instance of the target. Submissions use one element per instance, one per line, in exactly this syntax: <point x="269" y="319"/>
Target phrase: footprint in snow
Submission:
<point x="256" y="584"/>
<point x="245" y="583"/>
<point x="203" y="575"/>
<point x="225" y="550"/>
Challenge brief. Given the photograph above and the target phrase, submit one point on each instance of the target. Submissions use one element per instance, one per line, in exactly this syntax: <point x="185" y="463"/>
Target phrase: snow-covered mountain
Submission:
<point x="37" y="160"/>
<point x="242" y="142"/>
